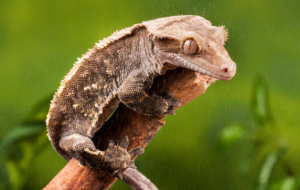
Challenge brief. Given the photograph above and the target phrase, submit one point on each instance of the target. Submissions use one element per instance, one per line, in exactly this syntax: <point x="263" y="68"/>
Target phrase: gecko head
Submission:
<point x="192" y="42"/>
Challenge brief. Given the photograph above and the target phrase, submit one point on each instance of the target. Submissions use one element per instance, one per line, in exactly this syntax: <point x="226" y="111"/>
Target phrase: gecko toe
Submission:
<point x="136" y="151"/>
<point x="131" y="164"/>
<point x="111" y="144"/>
<point x="171" y="111"/>
<point x="123" y="142"/>
<point x="173" y="102"/>
<point x="167" y="95"/>
<point x="118" y="175"/>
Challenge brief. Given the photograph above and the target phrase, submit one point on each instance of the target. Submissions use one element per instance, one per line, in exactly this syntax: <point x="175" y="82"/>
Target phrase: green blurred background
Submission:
<point x="241" y="134"/>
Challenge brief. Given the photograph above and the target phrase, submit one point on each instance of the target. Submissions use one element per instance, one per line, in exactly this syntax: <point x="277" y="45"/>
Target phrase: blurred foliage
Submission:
<point x="230" y="135"/>
<point x="290" y="183"/>
<point x="241" y="134"/>
<point x="260" y="102"/>
<point x="233" y="134"/>
<point x="38" y="113"/>
<point x="19" y="147"/>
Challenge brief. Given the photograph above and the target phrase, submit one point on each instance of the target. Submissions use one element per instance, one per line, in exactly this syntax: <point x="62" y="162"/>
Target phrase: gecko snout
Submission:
<point x="229" y="70"/>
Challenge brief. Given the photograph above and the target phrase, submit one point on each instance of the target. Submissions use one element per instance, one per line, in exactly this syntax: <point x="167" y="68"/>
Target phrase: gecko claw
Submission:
<point x="123" y="142"/>
<point x="167" y="95"/>
<point x="111" y="144"/>
<point x="136" y="151"/>
<point x="174" y="102"/>
<point x="117" y="158"/>
<point x="171" y="111"/>
<point x="118" y="175"/>
<point x="131" y="164"/>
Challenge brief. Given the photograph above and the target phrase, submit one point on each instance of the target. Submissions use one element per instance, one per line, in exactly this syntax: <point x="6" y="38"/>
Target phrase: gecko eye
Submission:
<point x="191" y="47"/>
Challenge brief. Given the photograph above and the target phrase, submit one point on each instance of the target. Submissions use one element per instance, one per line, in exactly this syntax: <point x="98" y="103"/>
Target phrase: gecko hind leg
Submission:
<point x="114" y="159"/>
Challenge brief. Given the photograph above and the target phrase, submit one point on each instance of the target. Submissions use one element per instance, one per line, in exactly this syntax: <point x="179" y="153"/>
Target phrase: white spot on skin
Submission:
<point x="48" y="118"/>
<point x="84" y="74"/>
<point x="94" y="86"/>
<point x="106" y="61"/>
<point x="96" y="105"/>
<point x="87" y="88"/>
<point x="70" y="94"/>
<point x="119" y="54"/>
<point x="108" y="71"/>
<point x="75" y="106"/>
<point x="96" y="152"/>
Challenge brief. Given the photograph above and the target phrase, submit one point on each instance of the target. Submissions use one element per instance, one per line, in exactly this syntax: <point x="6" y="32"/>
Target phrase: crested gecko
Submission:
<point x="121" y="69"/>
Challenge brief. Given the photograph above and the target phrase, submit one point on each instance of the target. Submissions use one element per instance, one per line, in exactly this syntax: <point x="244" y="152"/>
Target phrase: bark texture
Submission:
<point x="185" y="85"/>
<point x="137" y="180"/>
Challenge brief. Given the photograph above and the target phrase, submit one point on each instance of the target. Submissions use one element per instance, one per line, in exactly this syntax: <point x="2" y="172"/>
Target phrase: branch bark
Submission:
<point x="137" y="180"/>
<point x="186" y="85"/>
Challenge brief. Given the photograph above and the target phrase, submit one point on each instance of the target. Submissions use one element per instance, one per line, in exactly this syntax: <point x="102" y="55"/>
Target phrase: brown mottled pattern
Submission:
<point x="122" y="68"/>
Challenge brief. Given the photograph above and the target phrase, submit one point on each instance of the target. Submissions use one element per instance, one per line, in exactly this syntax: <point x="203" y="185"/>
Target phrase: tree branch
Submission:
<point x="137" y="180"/>
<point x="186" y="85"/>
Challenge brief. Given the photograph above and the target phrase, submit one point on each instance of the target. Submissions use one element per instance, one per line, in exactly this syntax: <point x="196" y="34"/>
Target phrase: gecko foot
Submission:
<point x="117" y="158"/>
<point x="172" y="102"/>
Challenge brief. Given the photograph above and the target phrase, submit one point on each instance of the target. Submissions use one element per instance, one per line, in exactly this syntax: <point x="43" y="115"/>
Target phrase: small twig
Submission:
<point x="136" y="180"/>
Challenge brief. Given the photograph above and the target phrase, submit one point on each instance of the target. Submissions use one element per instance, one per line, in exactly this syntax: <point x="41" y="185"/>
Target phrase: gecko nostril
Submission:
<point x="225" y="70"/>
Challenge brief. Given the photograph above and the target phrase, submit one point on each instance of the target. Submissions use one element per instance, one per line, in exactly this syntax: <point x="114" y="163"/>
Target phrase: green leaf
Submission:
<point x="267" y="168"/>
<point x="289" y="183"/>
<point x="39" y="112"/>
<point x="17" y="149"/>
<point x="18" y="134"/>
<point x="19" y="146"/>
<point x="260" y="101"/>
<point x="230" y="135"/>
<point x="4" y="177"/>
<point x="112" y="113"/>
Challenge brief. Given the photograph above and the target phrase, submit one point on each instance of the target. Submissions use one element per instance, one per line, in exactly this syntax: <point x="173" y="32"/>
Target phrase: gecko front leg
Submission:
<point x="114" y="159"/>
<point x="133" y="94"/>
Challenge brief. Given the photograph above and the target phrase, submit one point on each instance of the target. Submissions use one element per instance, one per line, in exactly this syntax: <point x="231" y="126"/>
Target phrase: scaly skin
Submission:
<point x="121" y="68"/>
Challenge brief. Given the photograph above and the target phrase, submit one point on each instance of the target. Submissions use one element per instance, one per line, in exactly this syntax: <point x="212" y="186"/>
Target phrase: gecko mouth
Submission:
<point x="181" y="62"/>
